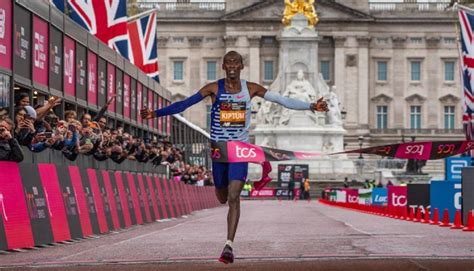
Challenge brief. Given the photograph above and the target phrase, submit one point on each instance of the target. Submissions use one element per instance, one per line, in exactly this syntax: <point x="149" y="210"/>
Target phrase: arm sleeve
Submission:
<point x="286" y="102"/>
<point x="180" y="106"/>
<point x="101" y="113"/>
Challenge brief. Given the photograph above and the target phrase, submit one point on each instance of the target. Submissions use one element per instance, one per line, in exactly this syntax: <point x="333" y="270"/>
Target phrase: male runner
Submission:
<point x="230" y="97"/>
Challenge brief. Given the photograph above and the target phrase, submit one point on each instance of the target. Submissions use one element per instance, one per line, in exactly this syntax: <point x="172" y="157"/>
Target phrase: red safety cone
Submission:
<point x="445" y="222"/>
<point x="435" y="220"/>
<point x="426" y="218"/>
<point x="470" y="221"/>
<point x="457" y="221"/>
<point x="411" y="215"/>
<point x="418" y="215"/>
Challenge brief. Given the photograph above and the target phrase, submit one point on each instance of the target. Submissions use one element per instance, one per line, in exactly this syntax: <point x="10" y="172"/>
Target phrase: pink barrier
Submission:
<point x="99" y="204"/>
<point x="110" y="196"/>
<point x="123" y="199"/>
<point x="82" y="209"/>
<point x="133" y="191"/>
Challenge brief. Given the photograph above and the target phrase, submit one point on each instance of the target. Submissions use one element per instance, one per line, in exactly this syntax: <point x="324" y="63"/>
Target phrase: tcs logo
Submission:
<point x="399" y="200"/>
<point x="242" y="152"/>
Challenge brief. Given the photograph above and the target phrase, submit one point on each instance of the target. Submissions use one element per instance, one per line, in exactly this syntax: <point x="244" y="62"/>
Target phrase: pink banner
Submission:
<point x="352" y="195"/>
<point x="69" y="66"/>
<point x="123" y="199"/>
<point x="6" y="34"/>
<point x="397" y="199"/>
<point x="111" y="85"/>
<point x="13" y="209"/>
<point x="40" y="51"/>
<point x="135" y="200"/>
<point x="160" y="120"/>
<point x="82" y="209"/>
<point x="139" y="101"/>
<point x="54" y="200"/>
<point x="126" y="95"/>
<point x="263" y="193"/>
<point x="144" y="197"/>
<point x="150" y="105"/>
<point x="92" y="78"/>
<point x="99" y="204"/>
<point x="111" y="198"/>
<point x="152" y="196"/>
<point x="169" y="198"/>
<point x="161" y="198"/>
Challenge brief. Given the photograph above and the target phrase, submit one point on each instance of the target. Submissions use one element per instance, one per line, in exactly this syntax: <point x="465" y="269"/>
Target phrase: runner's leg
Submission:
<point x="233" y="215"/>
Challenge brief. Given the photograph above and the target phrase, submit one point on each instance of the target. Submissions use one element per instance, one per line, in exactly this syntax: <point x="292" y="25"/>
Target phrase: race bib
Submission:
<point x="233" y="115"/>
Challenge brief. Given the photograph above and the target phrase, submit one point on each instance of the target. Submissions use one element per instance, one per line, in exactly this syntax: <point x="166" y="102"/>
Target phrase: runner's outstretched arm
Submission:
<point x="287" y="102"/>
<point x="178" y="107"/>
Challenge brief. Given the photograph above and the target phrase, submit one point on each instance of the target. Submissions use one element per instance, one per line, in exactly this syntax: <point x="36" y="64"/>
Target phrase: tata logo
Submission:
<point x="399" y="200"/>
<point x="458" y="197"/>
<point x="245" y="152"/>
<point x="379" y="198"/>
<point x="414" y="149"/>
<point x="456" y="168"/>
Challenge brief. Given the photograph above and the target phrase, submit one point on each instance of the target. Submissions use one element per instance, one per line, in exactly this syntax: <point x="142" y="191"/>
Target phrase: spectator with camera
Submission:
<point x="9" y="148"/>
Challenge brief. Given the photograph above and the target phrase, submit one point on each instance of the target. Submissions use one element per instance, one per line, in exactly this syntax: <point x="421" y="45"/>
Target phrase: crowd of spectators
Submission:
<point x="39" y="128"/>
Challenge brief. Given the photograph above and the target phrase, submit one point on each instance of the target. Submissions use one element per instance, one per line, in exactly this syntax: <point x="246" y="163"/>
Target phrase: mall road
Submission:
<point x="272" y="235"/>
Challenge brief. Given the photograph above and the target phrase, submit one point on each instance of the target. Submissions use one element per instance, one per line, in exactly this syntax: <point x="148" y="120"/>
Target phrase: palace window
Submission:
<point x="415" y="117"/>
<point x="211" y="70"/>
<point x="415" y="71"/>
<point x="382" y="117"/>
<point x="178" y="70"/>
<point x="325" y="70"/>
<point x="381" y="70"/>
<point x="268" y="70"/>
<point x="449" y="116"/>
<point x="449" y="71"/>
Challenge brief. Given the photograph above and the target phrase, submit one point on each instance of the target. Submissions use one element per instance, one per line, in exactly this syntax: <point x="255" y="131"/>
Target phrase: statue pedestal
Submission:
<point x="307" y="138"/>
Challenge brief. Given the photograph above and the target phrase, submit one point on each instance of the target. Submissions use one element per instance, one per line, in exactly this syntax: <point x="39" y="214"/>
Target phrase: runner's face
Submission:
<point x="232" y="66"/>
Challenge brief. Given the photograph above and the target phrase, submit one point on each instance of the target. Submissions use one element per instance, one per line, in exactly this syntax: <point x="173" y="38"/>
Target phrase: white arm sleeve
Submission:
<point x="286" y="102"/>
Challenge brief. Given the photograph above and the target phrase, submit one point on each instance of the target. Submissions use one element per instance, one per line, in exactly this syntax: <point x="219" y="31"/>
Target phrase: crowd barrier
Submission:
<point x="436" y="203"/>
<point x="42" y="204"/>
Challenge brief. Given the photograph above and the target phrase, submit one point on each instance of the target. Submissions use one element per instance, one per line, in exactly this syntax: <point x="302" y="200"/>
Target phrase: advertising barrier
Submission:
<point x="454" y="166"/>
<point x="397" y="199"/>
<point x="379" y="196"/>
<point x="467" y="192"/>
<point x="341" y="196"/>
<point x="418" y="196"/>
<point x="263" y="193"/>
<point x="43" y="203"/>
<point x="446" y="195"/>
<point x="365" y="196"/>
<point x="352" y="195"/>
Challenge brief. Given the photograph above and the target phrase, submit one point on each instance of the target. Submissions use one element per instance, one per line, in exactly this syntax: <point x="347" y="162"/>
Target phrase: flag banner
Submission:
<point x="236" y="151"/>
<point x="143" y="44"/>
<point x="105" y="19"/>
<point x="466" y="57"/>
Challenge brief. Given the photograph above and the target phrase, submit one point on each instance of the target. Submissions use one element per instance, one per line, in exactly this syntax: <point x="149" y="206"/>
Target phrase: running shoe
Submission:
<point x="227" y="255"/>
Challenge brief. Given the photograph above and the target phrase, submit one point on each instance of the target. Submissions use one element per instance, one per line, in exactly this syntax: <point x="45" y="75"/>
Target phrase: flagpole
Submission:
<point x="134" y="17"/>
<point x="456" y="7"/>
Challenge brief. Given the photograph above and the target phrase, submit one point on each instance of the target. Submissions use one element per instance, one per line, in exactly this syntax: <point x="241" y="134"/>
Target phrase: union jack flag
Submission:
<point x="143" y="51"/>
<point x="466" y="20"/>
<point x="105" y="19"/>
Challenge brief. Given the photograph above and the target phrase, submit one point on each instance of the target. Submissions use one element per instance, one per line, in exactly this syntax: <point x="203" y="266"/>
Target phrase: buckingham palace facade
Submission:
<point x="394" y="63"/>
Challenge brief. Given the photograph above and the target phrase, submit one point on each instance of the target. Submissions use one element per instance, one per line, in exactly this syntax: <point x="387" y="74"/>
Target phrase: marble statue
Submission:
<point x="300" y="89"/>
<point x="334" y="113"/>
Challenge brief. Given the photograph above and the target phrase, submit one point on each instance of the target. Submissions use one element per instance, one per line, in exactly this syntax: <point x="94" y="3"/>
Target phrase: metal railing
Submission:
<point x="178" y="6"/>
<point x="417" y="131"/>
<point x="434" y="6"/>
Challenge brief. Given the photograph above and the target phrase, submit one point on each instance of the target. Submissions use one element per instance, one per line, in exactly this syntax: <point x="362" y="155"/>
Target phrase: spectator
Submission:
<point x="9" y="148"/>
<point x="307" y="187"/>
<point x="70" y="115"/>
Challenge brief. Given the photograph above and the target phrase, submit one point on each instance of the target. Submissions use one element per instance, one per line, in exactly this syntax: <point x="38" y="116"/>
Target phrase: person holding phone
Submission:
<point x="9" y="148"/>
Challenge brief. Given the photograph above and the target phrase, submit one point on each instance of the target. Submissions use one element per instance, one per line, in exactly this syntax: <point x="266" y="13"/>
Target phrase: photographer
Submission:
<point x="9" y="148"/>
<point x="24" y="122"/>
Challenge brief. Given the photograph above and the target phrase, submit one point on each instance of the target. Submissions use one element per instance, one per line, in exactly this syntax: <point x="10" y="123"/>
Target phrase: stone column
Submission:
<point x="432" y="80"/>
<point x="254" y="61"/>
<point x="339" y="69"/>
<point x="397" y="79"/>
<point x="363" y="84"/>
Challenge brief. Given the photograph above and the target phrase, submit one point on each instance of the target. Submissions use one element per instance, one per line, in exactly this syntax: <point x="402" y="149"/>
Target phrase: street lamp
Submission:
<point x="361" y="140"/>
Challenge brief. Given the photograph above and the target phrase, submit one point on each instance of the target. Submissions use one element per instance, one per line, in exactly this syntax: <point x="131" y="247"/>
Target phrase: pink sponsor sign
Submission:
<point x="40" y="51"/>
<point x="150" y="105"/>
<point x="69" y="66"/>
<point x="139" y="101"/>
<point x="397" y="198"/>
<point x="6" y="34"/>
<point x="352" y="195"/>
<point x="244" y="152"/>
<point x="160" y="120"/>
<point x="263" y="193"/>
<point x="92" y="78"/>
<point x="99" y="203"/>
<point x="111" y="85"/>
<point x="419" y="151"/>
<point x="126" y="95"/>
<point x="82" y="210"/>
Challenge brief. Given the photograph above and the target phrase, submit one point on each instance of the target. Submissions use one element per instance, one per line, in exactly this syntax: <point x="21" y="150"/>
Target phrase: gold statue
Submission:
<point x="293" y="7"/>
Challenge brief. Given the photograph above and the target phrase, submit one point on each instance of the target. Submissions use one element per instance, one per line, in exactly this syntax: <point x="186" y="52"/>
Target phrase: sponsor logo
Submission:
<point x="2" y="23"/>
<point x="379" y="198"/>
<point x="278" y="155"/>
<point x="39" y="54"/>
<point x="414" y="149"/>
<point x="399" y="200"/>
<point x="242" y="152"/>
<point x="458" y="197"/>
<point x="216" y="153"/>
<point x="240" y="96"/>
<point x="446" y="148"/>
<point x="69" y="65"/>
<point x="262" y="193"/>
<point x="352" y="199"/>
<point x="384" y="150"/>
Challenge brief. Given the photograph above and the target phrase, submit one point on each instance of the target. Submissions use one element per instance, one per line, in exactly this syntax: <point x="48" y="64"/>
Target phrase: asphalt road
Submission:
<point x="272" y="235"/>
